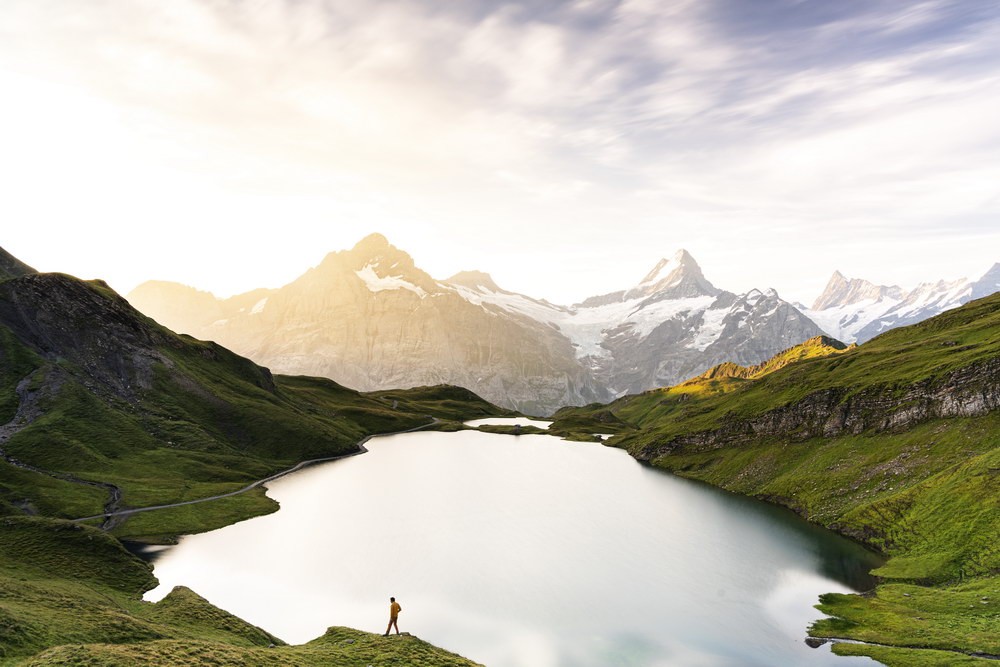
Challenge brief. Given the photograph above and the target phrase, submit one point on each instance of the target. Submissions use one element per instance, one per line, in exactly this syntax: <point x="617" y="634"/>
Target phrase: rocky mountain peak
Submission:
<point x="376" y="251"/>
<point x="843" y="291"/>
<point x="679" y="277"/>
<point x="372" y="243"/>
<point x="374" y="256"/>
<point x="681" y="259"/>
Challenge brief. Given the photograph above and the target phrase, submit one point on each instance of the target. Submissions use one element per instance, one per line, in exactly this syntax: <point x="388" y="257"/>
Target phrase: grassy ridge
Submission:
<point x="927" y="495"/>
<point x="339" y="646"/>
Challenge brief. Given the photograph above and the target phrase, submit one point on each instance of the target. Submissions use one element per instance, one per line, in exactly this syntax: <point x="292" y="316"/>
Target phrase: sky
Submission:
<point x="561" y="146"/>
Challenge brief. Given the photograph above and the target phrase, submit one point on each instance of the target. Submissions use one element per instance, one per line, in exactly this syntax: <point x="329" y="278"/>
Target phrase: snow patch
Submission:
<point x="711" y="329"/>
<point x="376" y="283"/>
<point x="512" y="303"/>
<point x="259" y="307"/>
<point x="587" y="327"/>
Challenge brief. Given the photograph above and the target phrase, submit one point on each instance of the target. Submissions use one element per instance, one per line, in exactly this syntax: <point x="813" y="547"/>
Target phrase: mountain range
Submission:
<point x="369" y="318"/>
<point x="854" y="310"/>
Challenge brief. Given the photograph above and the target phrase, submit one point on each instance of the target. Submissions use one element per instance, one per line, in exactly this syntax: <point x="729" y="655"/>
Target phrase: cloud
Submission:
<point x="660" y="116"/>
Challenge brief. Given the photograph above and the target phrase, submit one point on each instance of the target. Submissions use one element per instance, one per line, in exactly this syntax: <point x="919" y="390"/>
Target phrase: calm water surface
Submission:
<point x="509" y="421"/>
<point x="526" y="551"/>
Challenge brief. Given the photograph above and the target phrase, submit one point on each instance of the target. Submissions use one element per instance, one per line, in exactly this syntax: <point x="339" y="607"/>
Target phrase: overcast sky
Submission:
<point x="562" y="147"/>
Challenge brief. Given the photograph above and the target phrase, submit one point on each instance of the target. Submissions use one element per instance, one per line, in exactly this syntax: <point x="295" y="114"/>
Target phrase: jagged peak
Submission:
<point x="675" y="278"/>
<point x="755" y="295"/>
<point x="681" y="259"/>
<point x="841" y="291"/>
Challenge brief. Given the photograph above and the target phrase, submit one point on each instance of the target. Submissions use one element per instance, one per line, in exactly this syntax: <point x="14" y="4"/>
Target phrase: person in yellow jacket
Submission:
<point x="394" y="610"/>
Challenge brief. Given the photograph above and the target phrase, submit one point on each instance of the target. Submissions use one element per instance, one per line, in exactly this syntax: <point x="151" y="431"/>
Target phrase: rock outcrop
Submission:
<point x="967" y="392"/>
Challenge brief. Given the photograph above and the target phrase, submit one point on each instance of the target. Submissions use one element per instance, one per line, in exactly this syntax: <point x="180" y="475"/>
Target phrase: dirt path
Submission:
<point x="28" y="410"/>
<point x="114" y="517"/>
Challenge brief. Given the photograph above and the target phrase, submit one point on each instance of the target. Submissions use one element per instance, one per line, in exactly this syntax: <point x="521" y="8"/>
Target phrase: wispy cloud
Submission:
<point x="721" y="115"/>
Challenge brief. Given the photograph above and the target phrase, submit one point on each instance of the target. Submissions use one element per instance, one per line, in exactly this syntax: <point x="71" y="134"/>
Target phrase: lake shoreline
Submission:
<point x="727" y="510"/>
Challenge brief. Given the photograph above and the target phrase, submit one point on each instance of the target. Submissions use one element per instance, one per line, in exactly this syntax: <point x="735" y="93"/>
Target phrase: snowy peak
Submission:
<point x="843" y="291"/>
<point x="663" y="268"/>
<point x="378" y="265"/>
<point x="988" y="284"/>
<point x="857" y="311"/>
<point x="679" y="277"/>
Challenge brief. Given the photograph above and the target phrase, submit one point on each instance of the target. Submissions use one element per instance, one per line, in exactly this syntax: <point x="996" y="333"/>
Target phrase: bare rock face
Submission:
<point x="968" y="392"/>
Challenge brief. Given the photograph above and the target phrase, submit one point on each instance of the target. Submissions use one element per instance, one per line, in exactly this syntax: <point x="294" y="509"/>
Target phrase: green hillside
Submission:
<point x="103" y="410"/>
<point x="894" y="443"/>
<point x="71" y="595"/>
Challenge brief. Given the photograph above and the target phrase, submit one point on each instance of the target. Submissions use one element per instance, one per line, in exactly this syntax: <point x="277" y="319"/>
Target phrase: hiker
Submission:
<point x="394" y="610"/>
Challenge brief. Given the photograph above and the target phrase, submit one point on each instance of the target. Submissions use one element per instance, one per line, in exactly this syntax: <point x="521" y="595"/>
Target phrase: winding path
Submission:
<point x="27" y="411"/>
<point x="111" y="516"/>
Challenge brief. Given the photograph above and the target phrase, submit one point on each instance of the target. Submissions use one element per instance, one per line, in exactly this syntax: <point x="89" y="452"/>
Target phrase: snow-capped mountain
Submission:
<point x="675" y="324"/>
<point x="988" y="284"/>
<point x="854" y="310"/>
<point x="370" y="319"/>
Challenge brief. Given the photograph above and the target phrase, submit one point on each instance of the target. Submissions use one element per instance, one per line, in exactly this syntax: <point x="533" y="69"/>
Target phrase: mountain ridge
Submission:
<point x="369" y="318"/>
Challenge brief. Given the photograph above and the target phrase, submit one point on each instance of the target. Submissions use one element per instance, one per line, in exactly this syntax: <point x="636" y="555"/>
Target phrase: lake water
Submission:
<point x="526" y="551"/>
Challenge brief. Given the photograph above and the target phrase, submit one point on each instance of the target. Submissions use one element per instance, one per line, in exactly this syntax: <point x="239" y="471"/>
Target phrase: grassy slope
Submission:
<point x="118" y="399"/>
<point x="928" y="497"/>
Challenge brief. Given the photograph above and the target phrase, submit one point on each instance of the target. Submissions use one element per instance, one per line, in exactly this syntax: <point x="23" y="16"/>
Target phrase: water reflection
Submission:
<point x="526" y="551"/>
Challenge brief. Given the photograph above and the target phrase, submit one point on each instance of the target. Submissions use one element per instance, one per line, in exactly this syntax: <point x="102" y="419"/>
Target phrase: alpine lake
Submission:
<point x="526" y="551"/>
